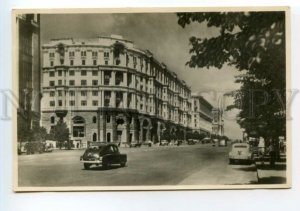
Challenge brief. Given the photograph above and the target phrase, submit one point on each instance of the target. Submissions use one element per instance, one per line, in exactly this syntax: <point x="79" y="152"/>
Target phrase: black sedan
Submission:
<point x="104" y="154"/>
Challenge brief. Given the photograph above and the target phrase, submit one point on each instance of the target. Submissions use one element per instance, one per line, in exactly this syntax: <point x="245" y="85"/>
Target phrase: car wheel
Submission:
<point x="87" y="166"/>
<point x="230" y="161"/>
<point x="105" y="165"/>
<point x="123" y="164"/>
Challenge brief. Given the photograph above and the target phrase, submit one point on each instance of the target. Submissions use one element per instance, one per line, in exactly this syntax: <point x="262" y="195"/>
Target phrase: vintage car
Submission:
<point x="164" y="143"/>
<point x="135" y="144"/>
<point x="104" y="154"/>
<point x="191" y="141"/>
<point x="240" y="152"/>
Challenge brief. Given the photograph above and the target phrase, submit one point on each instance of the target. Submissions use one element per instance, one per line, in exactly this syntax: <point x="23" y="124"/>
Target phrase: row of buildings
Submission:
<point x="107" y="89"/>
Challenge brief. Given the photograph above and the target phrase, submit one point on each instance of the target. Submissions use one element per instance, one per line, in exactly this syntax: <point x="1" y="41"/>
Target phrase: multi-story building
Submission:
<point x="106" y="89"/>
<point x="201" y="114"/>
<point x="28" y="66"/>
<point x="218" y="122"/>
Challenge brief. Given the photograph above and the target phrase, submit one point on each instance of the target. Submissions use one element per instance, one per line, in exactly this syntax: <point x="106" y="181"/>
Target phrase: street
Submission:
<point x="169" y="165"/>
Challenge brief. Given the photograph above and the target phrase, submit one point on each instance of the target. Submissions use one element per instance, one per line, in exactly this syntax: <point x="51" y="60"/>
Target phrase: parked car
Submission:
<point x="206" y="140"/>
<point x="104" y="154"/>
<point x="240" y="152"/>
<point x="135" y="144"/>
<point x="191" y="141"/>
<point x="148" y="143"/>
<point x="164" y="143"/>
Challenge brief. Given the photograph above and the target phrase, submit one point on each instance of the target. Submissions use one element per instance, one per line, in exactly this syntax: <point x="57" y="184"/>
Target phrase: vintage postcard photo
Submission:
<point x="151" y="99"/>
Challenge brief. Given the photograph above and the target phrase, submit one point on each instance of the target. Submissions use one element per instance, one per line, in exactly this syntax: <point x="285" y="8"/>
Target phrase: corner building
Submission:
<point x="108" y="90"/>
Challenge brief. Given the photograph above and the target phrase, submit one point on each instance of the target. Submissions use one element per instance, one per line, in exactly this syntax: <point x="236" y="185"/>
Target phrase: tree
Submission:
<point x="60" y="133"/>
<point x="253" y="42"/>
<point x="40" y="134"/>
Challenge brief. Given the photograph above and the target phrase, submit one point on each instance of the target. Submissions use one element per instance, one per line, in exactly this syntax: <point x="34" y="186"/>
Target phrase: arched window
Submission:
<point x="52" y="119"/>
<point x="95" y="137"/>
<point x="94" y="119"/>
<point x="78" y="120"/>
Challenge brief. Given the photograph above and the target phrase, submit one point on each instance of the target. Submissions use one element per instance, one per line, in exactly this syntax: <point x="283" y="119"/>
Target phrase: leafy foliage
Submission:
<point x="252" y="42"/>
<point x="60" y="132"/>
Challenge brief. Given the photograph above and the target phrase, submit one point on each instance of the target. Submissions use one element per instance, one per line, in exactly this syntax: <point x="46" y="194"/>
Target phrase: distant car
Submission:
<point x="191" y="141"/>
<point x="148" y="143"/>
<point x="206" y="140"/>
<point x="164" y="143"/>
<point x="104" y="154"/>
<point x="135" y="144"/>
<point x="240" y="152"/>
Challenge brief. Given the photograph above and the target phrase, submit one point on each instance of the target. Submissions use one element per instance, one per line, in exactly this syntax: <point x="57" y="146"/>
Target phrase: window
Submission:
<point x="52" y="103"/>
<point x="71" y="54"/>
<point x="82" y="62"/>
<point x="59" y="93"/>
<point x="71" y="62"/>
<point x="94" y="119"/>
<point x="52" y="93"/>
<point x="95" y="102"/>
<point x="72" y="102"/>
<point x="83" y="82"/>
<point x="51" y="83"/>
<point x="51" y="74"/>
<point x="52" y="119"/>
<point x="71" y="93"/>
<point x="95" y="82"/>
<point x="108" y="119"/>
<point x="71" y="82"/>
<point x="95" y="93"/>
<point x="83" y="93"/>
<point x="71" y="73"/>
<point x="60" y="103"/>
<point x="94" y="53"/>
<point x="83" y="103"/>
<point x="94" y="62"/>
<point x="60" y="73"/>
<point x="83" y="72"/>
<point x="51" y="63"/>
<point x="83" y="53"/>
<point x="106" y="54"/>
<point x="51" y="55"/>
<point x="95" y="72"/>
<point x="59" y="82"/>
<point x="106" y="62"/>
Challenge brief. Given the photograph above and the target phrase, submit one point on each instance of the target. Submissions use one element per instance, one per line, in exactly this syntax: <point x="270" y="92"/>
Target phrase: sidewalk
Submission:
<point x="272" y="175"/>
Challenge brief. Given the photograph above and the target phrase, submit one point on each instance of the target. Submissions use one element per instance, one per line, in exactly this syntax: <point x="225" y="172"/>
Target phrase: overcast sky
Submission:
<point x="160" y="34"/>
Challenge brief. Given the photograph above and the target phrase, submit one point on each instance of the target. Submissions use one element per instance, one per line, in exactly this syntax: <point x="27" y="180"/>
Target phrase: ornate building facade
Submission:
<point x="106" y="89"/>
<point x="28" y="66"/>
<point x="201" y="114"/>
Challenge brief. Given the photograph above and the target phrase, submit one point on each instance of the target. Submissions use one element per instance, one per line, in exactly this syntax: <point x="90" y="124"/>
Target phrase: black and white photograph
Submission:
<point x="152" y="99"/>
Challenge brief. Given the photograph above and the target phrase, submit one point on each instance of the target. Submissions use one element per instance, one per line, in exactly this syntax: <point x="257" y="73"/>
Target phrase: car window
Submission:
<point x="115" y="149"/>
<point x="241" y="146"/>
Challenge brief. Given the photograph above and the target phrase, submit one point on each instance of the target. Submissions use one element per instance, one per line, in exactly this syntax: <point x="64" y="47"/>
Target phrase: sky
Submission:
<point x="161" y="34"/>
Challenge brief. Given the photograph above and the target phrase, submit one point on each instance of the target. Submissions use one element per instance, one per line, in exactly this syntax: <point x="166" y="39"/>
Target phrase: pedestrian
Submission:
<point x="272" y="153"/>
<point x="77" y="145"/>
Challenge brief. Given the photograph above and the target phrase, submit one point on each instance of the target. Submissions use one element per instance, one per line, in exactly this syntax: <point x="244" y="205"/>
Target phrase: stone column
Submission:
<point x="113" y="78"/>
<point x="114" y="127"/>
<point x="113" y="99"/>
<point x="158" y="131"/>
<point x="127" y="130"/>
<point x="103" y="125"/>
<point x="125" y="94"/>
<point x="141" y="131"/>
<point x="98" y="125"/>
<point x="102" y="98"/>
<point x="125" y="78"/>
<point x="135" y="130"/>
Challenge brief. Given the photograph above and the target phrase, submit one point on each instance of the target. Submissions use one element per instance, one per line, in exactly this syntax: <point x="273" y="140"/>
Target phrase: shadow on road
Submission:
<point x="100" y="168"/>
<point x="276" y="167"/>
<point x="272" y="180"/>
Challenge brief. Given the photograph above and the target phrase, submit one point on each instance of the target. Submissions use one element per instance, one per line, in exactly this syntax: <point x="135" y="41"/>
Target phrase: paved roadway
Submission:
<point x="168" y="165"/>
